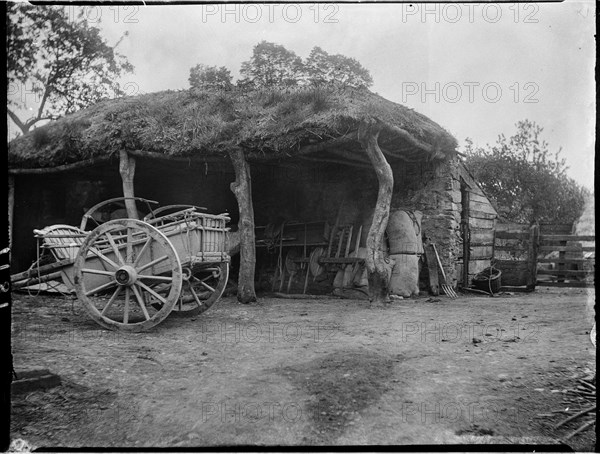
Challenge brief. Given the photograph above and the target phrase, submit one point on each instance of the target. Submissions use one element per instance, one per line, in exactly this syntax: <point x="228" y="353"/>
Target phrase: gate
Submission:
<point x="543" y="255"/>
<point x="566" y="260"/>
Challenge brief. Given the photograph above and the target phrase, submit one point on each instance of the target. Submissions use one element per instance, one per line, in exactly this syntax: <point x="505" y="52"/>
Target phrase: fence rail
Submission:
<point x="564" y="263"/>
<point x="546" y="255"/>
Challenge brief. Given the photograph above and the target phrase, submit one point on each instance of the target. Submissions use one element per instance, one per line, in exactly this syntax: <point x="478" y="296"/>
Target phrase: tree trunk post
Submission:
<point x="242" y="189"/>
<point x="379" y="281"/>
<point x="127" y="171"/>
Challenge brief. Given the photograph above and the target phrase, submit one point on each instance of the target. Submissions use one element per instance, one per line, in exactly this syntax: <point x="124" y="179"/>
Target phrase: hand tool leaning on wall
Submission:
<point x="447" y="289"/>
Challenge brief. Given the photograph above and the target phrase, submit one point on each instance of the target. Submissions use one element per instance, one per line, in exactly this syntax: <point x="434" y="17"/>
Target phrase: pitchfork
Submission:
<point x="447" y="289"/>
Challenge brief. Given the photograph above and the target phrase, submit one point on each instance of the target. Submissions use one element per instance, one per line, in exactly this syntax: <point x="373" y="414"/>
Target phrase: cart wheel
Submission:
<point x="121" y="267"/>
<point x="202" y="287"/>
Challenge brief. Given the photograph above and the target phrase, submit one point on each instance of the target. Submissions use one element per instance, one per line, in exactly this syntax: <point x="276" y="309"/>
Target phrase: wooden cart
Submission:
<point x="131" y="274"/>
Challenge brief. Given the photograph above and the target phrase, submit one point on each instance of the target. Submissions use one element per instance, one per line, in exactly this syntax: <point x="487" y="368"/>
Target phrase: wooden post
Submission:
<point x="11" y="210"/>
<point x="127" y="171"/>
<point x="242" y="189"/>
<point x="562" y="266"/>
<point x="534" y="243"/>
<point x="379" y="282"/>
<point x="432" y="266"/>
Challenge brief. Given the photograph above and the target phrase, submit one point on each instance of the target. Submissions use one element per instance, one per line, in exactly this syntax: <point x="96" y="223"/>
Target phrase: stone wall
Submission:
<point x="430" y="188"/>
<point x="434" y="188"/>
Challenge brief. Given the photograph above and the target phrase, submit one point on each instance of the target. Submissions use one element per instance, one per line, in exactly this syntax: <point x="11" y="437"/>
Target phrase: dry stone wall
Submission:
<point x="431" y="189"/>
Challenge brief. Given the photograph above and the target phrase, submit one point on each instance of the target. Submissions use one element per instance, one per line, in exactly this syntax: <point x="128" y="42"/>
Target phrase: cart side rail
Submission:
<point x="196" y="236"/>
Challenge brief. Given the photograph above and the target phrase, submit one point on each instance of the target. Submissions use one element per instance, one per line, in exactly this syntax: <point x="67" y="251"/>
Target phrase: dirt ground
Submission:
<point x="302" y="372"/>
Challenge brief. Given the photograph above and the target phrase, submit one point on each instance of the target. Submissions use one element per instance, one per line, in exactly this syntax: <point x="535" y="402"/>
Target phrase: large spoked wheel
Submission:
<point x="122" y="266"/>
<point x="202" y="286"/>
<point x="100" y="212"/>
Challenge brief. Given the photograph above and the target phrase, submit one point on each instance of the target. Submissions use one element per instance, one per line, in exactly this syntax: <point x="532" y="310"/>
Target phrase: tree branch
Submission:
<point x="44" y="98"/>
<point x="63" y="168"/>
<point x="22" y="126"/>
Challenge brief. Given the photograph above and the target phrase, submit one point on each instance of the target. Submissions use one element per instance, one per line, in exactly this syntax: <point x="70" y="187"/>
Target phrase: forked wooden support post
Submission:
<point x="379" y="282"/>
<point x="242" y="189"/>
<point x="127" y="171"/>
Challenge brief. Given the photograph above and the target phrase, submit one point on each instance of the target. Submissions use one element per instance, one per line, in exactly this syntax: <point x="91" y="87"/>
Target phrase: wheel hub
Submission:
<point x="126" y="275"/>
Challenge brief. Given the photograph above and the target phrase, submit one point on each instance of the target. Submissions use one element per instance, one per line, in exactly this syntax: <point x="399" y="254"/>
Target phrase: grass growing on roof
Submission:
<point x="199" y="122"/>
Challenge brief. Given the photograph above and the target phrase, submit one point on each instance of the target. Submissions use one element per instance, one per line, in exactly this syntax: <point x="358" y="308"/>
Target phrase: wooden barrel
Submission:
<point x="404" y="232"/>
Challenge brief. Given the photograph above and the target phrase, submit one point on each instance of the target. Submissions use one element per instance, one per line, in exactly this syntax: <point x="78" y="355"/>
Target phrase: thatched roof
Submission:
<point x="195" y="124"/>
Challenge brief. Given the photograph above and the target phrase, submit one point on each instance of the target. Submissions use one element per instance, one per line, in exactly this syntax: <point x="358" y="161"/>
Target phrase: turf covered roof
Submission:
<point x="269" y="124"/>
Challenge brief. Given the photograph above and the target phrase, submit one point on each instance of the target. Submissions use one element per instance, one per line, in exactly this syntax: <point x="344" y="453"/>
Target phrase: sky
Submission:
<point x="476" y="69"/>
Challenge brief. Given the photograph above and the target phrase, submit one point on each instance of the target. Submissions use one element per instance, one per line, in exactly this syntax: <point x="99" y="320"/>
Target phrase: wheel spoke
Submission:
<point x="140" y="301"/>
<point x="101" y="287"/>
<point x="206" y="278"/>
<point x="114" y="247"/>
<point x="195" y="295"/>
<point x="207" y="286"/>
<point x="155" y="278"/>
<point x="144" y="247"/>
<point x="101" y="256"/>
<point x="152" y="292"/>
<point x="152" y="263"/>
<point x="126" y="308"/>
<point x="101" y="272"/>
<point x="112" y="299"/>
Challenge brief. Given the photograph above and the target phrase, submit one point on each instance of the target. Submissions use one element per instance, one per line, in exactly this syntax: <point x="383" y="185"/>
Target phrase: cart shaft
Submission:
<point x="40" y="270"/>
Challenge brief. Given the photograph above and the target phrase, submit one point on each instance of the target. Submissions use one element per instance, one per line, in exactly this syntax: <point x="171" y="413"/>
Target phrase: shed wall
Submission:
<point x="293" y="190"/>
<point x="63" y="198"/>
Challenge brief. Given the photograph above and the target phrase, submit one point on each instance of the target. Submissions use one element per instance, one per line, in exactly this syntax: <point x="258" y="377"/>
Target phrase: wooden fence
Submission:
<point x="564" y="261"/>
<point x="544" y="255"/>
